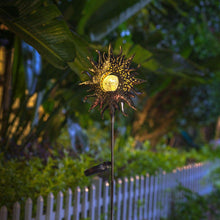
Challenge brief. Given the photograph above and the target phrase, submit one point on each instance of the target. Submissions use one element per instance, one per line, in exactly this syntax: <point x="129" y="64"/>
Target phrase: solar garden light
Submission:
<point x="111" y="84"/>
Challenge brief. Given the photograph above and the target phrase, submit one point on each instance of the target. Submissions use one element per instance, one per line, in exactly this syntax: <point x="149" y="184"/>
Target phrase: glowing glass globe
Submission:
<point x="112" y="82"/>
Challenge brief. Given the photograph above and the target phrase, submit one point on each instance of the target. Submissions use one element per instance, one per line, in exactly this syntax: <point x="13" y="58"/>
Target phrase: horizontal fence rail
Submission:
<point x="136" y="198"/>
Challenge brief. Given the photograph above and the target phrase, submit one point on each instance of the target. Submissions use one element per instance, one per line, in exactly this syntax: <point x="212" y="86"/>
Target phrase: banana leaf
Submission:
<point x="164" y="62"/>
<point x="41" y="25"/>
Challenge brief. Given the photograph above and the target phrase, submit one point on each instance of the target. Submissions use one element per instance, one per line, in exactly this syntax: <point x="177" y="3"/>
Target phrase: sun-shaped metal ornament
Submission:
<point x="112" y="82"/>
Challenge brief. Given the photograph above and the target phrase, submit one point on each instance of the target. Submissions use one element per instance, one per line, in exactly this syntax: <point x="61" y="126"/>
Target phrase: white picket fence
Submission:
<point x="140" y="198"/>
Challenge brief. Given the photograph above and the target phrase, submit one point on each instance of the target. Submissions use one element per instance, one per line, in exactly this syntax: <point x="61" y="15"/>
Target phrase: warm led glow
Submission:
<point x="110" y="83"/>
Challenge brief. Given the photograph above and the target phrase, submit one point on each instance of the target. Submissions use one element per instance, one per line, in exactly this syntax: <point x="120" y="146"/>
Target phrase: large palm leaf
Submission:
<point x="163" y="62"/>
<point x="41" y="25"/>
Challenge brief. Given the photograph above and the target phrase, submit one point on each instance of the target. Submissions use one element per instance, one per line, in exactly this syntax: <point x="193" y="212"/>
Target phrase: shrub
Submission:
<point x="23" y="179"/>
<point x="195" y="207"/>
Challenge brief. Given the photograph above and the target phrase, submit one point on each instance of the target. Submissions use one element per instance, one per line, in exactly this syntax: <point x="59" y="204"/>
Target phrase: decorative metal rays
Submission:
<point x="112" y="84"/>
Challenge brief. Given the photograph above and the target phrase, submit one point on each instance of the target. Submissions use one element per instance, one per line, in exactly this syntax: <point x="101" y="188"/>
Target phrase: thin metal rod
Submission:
<point x="112" y="163"/>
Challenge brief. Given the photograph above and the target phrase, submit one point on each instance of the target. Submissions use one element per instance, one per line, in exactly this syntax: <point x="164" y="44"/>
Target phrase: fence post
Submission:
<point x="28" y="209"/>
<point x="76" y="211"/>
<point x="105" y="200"/>
<point x="85" y="196"/>
<point x="68" y="208"/>
<point x="59" y="209"/>
<point x="159" y="196"/>
<point x="49" y="212"/>
<point x="141" y="198"/>
<point x="168" y="193"/>
<point x="163" y="193"/>
<point x="92" y="202"/>
<point x="191" y="177"/>
<point x="136" y="194"/>
<point x="16" y="211"/>
<point x="146" y="196"/>
<point x="119" y="199"/>
<point x="40" y="204"/>
<point x="98" y="185"/>
<point x="130" y="198"/>
<point x="125" y="199"/>
<point x="178" y="182"/>
<point x="3" y="213"/>
<point x="155" y="197"/>
<point x="151" y="194"/>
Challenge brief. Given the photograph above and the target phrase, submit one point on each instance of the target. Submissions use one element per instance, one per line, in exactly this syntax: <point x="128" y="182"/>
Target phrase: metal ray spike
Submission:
<point x="110" y="53"/>
<point x="100" y="57"/>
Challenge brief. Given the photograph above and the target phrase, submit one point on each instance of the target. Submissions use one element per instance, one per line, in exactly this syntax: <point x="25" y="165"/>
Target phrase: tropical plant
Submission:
<point x="65" y="33"/>
<point x="40" y="25"/>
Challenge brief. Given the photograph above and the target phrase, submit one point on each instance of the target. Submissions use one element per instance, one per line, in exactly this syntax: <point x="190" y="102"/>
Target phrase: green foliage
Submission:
<point x="133" y="158"/>
<point x="159" y="61"/>
<point x="35" y="22"/>
<point x="109" y="15"/>
<point x="195" y="207"/>
<point x="188" y="28"/>
<point x="194" y="30"/>
<point x="63" y="32"/>
<point x="215" y="176"/>
<point x="23" y="179"/>
<point x="203" y="107"/>
<point x="191" y="29"/>
<point x="130" y="161"/>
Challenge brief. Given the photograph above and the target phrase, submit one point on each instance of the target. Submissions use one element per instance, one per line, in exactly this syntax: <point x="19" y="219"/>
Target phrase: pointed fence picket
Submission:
<point x="3" y="213"/>
<point x="85" y="203"/>
<point x="59" y="209"/>
<point x="125" y="199"/>
<point x="140" y="198"/>
<point x="119" y="200"/>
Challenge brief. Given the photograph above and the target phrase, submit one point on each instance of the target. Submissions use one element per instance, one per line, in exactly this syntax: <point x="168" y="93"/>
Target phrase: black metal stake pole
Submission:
<point x="112" y="164"/>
